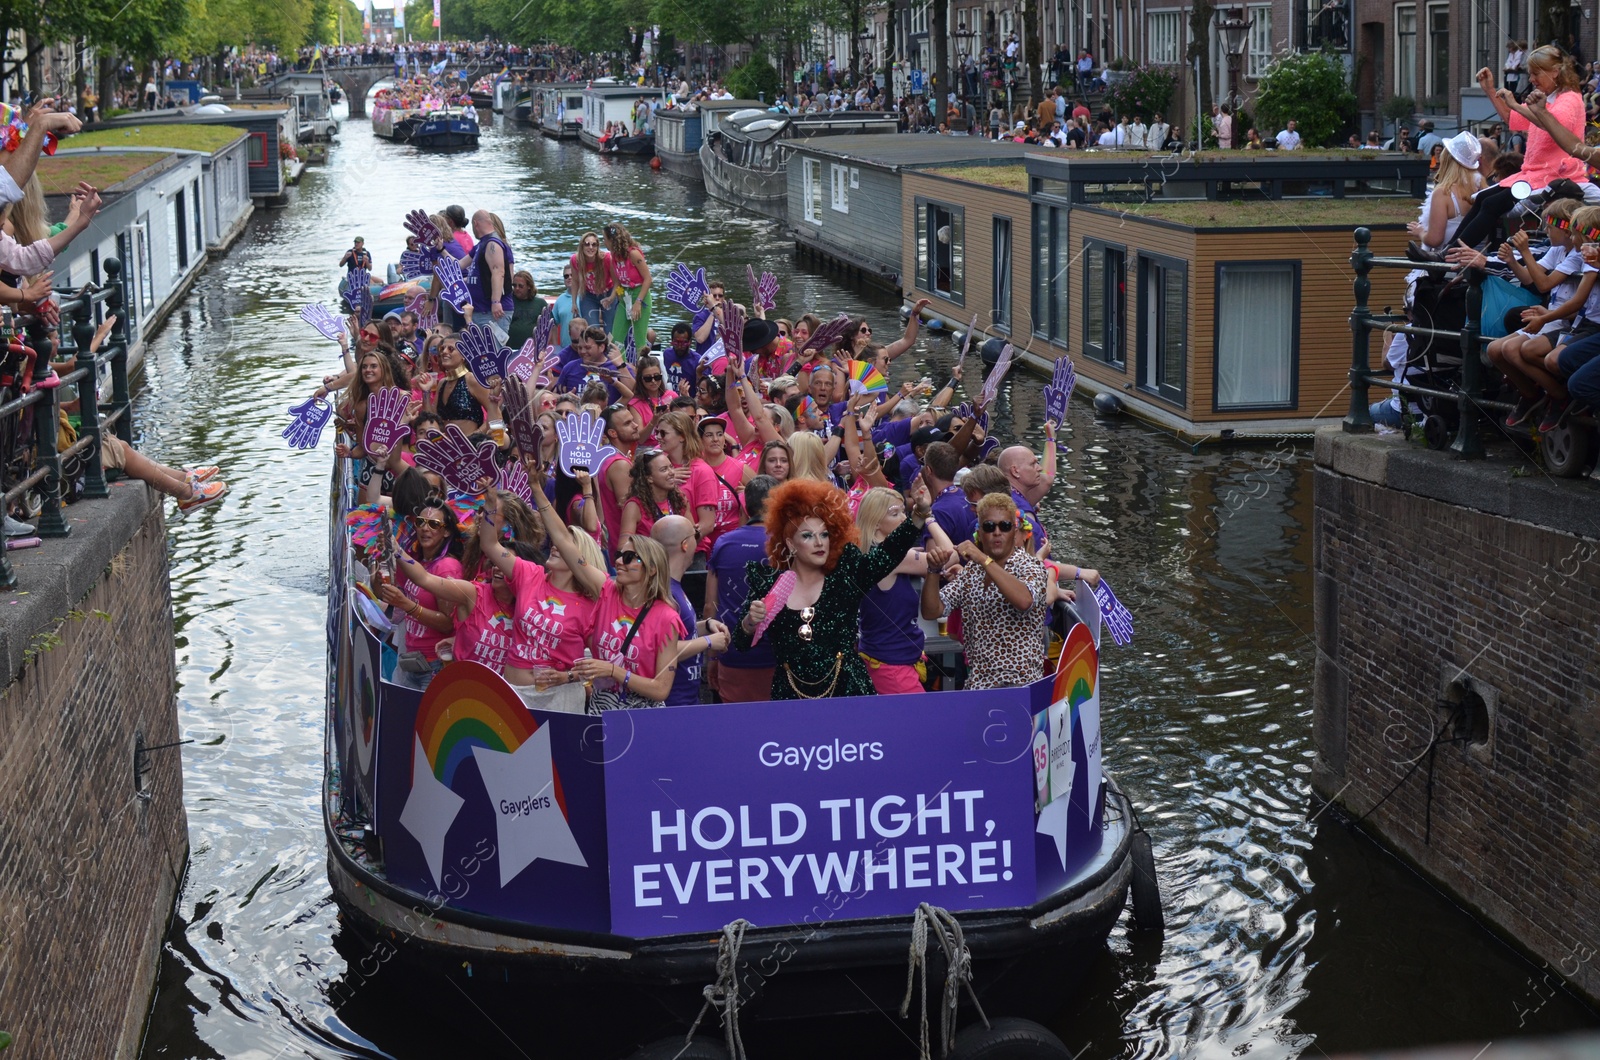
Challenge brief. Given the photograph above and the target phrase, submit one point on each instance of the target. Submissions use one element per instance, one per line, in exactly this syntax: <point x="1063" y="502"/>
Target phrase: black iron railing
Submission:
<point x="29" y="414"/>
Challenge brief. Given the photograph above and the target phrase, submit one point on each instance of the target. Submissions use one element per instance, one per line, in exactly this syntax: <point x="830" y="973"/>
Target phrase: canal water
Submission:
<point x="1287" y="934"/>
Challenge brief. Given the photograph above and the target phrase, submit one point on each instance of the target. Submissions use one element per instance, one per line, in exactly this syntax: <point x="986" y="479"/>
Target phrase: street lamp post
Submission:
<point x="1235" y="31"/>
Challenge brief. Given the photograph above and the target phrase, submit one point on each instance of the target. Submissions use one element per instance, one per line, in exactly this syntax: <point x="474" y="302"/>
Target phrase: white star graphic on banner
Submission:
<point x="431" y="809"/>
<point x="1053" y="823"/>
<point x="528" y="820"/>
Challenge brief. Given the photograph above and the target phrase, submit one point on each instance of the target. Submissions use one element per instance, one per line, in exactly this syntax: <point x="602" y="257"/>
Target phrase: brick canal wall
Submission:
<point x="1457" y="611"/>
<point x="91" y="857"/>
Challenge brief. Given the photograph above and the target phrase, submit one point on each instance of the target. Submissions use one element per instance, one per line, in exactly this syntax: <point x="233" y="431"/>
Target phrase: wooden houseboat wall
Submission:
<point x="603" y="104"/>
<point x="1169" y="289"/>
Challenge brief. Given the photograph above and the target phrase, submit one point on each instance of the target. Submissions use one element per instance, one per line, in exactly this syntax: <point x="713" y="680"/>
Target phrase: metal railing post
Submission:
<point x="1469" y="439"/>
<point x="1359" y="419"/>
<point x="94" y="481"/>
<point x="117" y="302"/>
<point x="51" y="522"/>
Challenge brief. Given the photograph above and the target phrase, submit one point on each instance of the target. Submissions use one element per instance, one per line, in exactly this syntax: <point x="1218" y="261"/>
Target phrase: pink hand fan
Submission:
<point x="775" y="601"/>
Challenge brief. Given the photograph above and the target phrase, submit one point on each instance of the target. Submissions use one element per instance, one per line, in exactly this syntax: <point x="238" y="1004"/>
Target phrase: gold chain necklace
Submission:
<point x="838" y="667"/>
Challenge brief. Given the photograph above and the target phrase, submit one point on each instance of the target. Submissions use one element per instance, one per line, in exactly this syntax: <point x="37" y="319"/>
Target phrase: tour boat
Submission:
<point x="556" y="861"/>
<point x="607" y="103"/>
<point x="447" y="128"/>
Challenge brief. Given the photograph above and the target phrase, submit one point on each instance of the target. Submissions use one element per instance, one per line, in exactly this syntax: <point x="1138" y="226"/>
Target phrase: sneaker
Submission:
<point x="197" y="475"/>
<point x="204" y="494"/>
<point x="1526" y="407"/>
<point x="1554" y="413"/>
<point x="17" y="528"/>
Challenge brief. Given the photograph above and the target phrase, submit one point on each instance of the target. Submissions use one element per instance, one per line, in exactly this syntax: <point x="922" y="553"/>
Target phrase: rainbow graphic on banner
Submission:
<point x="469" y="706"/>
<point x="864" y="378"/>
<point x="1078" y="670"/>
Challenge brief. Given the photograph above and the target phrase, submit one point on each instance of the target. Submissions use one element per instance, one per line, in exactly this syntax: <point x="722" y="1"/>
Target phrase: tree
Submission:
<point x="1200" y="16"/>
<point x="1312" y="89"/>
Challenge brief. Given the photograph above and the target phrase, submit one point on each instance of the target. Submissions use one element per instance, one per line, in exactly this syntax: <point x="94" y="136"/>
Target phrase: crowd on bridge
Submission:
<point x="743" y="511"/>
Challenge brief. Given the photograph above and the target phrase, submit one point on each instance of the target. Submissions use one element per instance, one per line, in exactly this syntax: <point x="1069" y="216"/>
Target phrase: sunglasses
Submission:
<point x="437" y="524"/>
<point x="628" y="557"/>
<point x="866" y="329"/>
<point x="649" y="379"/>
<point x="590" y="243"/>
<point x="1005" y="526"/>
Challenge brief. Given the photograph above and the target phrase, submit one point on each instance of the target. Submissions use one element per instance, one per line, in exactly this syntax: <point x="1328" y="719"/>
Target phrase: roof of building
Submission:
<point x="1272" y="213"/>
<point x="60" y="174"/>
<point x="184" y="137"/>
<point x="914" y="150"/>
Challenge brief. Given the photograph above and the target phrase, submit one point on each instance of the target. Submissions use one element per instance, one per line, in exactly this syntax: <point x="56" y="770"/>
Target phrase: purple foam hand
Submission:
<point x="767" y="292"/>
<point x="966" y="341"/>
<point x="582" y="439"/>
<point x="485" y="357"/>
<point x="964" y="411"/>
<point x="427" y="317"/>
<point x="418" y="224"/>
<point x="755" y="284"/>
<point x="1059" y="390"/>
<point x="358" y="292"/>
<point x="513" y="479"/>
<point x="991" y="385"/>
<point x="323" y="319"/>
<point x="630" y="349"/>
<point x="686" y="288"/>
<point x="386" y="414"/>
<point x="415" y="264"/>
<point x="452" y="286"/>
<point x="543" y="330"/>
<point x="454" y="459"/>
<point x="733" y="331"/>
<point x="308" y="419"/>
<point x="1117" y="618"/>
<point x="526" y="434"/>
<point x="828" y="333"/>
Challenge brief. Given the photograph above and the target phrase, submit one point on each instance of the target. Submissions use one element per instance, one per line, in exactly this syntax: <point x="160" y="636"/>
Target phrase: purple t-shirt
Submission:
<point x="686" y="679"/>
<point x="480" y="280"/>
<point x="577" y="376"/>
<point x="954" y="515"/>
<point x="741" y="545"/>
<point x="889" y="629"/>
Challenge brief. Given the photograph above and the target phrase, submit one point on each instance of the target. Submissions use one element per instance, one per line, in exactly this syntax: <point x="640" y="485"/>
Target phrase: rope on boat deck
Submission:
<point x="723" y="995"/>
<point x="957" y="973"/>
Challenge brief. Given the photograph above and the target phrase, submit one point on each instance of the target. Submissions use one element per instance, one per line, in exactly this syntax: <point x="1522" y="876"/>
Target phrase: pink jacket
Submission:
<point x="25" y="260"/>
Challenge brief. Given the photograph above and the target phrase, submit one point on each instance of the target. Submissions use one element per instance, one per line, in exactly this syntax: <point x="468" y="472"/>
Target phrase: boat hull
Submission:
<point x="762" y="192"/>
<point x="442" y="134"/>
<point x="683" y="163"/>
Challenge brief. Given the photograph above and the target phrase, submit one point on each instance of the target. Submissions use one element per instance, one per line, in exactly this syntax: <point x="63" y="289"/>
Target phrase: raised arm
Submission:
<point x="457" y="591"/>
<point x="913" y="325"/>
<point x="489" y="527"/>
<point x="592" y="580"/>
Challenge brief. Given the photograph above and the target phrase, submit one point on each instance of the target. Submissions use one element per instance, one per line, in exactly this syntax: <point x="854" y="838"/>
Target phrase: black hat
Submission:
<point x="758" y="333"/>
<point x="925" y="435"/>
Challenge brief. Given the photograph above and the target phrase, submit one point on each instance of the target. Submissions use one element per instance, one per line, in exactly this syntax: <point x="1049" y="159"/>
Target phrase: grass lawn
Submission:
<point x="1011" y="178"/>
<point x="1287" y="213"/>
<point x="61" y="174"/>
<point x="205" y="138"/>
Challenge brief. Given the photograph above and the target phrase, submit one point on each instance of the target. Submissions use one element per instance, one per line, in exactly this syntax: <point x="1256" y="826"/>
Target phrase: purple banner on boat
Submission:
<point x="860" y="807"/>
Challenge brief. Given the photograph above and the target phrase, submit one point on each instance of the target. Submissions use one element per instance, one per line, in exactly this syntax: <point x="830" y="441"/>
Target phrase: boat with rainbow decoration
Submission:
<point x="610" y="873"/>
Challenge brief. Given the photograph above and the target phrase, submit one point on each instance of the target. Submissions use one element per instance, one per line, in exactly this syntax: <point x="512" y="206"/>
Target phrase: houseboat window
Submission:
<point x="1258" y="305"/>
<point x="257" y="149"/>
<point x="199" y="220"/>
<point x="1001" y="311"/>
<point x="840" y="181"/>
<point x="1104" y="301"/>
<point x="177" y="234"/>
<point x="941" y="249"/>
<point x="141" y="238"/>
<point x="1060" y="259"/>
<point x="1163" y="326"/>
<point x="811" y="189"/>
<point x="1163" y="35"/>
<point x="1405" y="50"/>
<point x="1260" y="41"/>
<point x="1039" y="304"/>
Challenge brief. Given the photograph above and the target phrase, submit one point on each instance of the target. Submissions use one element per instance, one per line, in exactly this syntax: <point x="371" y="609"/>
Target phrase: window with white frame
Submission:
<point x="840" y="183"/>
<point x="1258" y="55"/>
<point x="1164" y="37"/>
<point x="811" y="190"/>
<point x="1405" y="50"/>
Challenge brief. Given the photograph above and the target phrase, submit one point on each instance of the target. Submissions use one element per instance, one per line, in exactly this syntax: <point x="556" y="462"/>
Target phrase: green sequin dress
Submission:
<point x="827" y="665"/>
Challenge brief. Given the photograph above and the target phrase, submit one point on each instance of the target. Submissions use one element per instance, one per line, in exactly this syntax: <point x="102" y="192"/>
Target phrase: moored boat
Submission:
<point x="565" y="857"/>
<point x="558" y="110"/>
<point x="745" y="158"/>
<point x="606" y="105"/>
<point x="681" y="130"/>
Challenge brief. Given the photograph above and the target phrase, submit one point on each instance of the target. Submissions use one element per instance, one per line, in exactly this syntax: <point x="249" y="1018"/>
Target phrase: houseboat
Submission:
<point x="681" y="130"/>
<point x="312" y="98"/>
<point x="268" y="127"/>
<point x="558" y="110"/>
<point x="555" y="862"/>
<point x="745" y="157"/>
<point x="844" y="195"/>
<point x="506" y="91"/>
<point x="446" y="128"/>
<point x="606" y="104"/>
<point x="1207" y="295"/>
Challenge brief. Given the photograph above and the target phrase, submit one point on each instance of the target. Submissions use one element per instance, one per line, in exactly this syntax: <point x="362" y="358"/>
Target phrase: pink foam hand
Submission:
<point x="991" y="385"/>
<point x="582" y="442"/>
<point x="418" y="224"/>
<point x="452" y="285"/>
<point x="513" y="479"/>
<point x="454" y="459"/>
<point x="733" y="332"/>
<point x="516" y="404"/>
<point x="305" y="428"/>
<point x="386" y="428"/>
<point x="828" y="334"/>
<point x="774" y="601"/>
<point x="485" y="357"/>
<point x="427" y="314"/>
<point x="323" y="319"/>
<point x="767" y="292"/>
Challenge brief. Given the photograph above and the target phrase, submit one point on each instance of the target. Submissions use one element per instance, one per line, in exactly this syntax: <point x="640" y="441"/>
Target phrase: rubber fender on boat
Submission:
<point x="701" y="1048"/>
<point x="1146" y="887"/>
<point x="992" y="349"/>
<point x="1107" y="404"/>
<point x="1008" y="1038"/>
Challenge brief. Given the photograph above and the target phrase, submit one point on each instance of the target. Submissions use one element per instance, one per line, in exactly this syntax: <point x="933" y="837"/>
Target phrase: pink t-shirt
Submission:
<point x="419" y="638"/>
<point x="463" y="240"/>
<point x="551" y="626"/>
<point x="701" y="491"/>
<point x="485" y="635"/>
<point x="600" y="279"/>
<point x="1544" y="161"/>
<point x="613" y="620"/>
<point x="729" y="499"/>
<point x="646" y="413"/>
<point x="610" y="505"/>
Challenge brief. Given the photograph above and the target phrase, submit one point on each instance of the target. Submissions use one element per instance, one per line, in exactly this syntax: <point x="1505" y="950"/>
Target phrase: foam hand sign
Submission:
<point x="582" y="442"/>
<point x="427" y="314"/>
<point x="827" y="334"/>
<point x="991" y="385"/>
<point x="526" y="434"/>
<point x="358" y="292"/>
<point x="454" y="459"/>
<point x="485" y="357"/>
<point x="322" y="318"/>
<point x="733" y="332"/>
<point x="418" y="224"/>
<point x="544" y="331"/>
<point x="386" y="413"/>
<point x="630" y="349"/>
<point x="305" y="428"/>
<point x="452" y="286"/>
<point x="1118" y="619"/>
<point x="686" y="288"/>
<point x="964" y="411"/>
<point x="966" y="341"/>
<point x="513" y="479"/>
<point x="415" y="264"/>
<point x="1059" y="390"/>
<point x="763" y="292"/>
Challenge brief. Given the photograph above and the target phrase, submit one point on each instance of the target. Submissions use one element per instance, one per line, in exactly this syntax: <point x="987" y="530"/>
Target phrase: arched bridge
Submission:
<point x="357" y="81"/>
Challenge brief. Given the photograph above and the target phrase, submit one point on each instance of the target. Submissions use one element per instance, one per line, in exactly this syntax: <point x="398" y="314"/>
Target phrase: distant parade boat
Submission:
<point x="604" y="876"/>
<point x="447" y="128"/>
